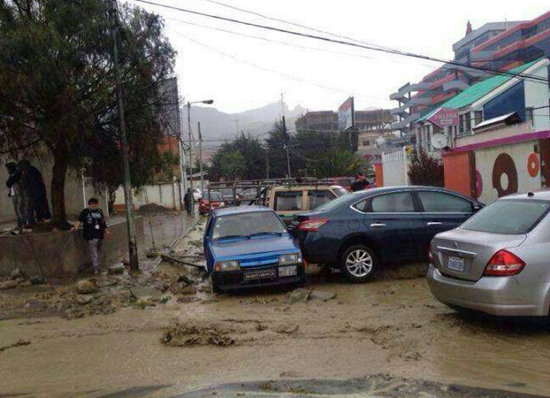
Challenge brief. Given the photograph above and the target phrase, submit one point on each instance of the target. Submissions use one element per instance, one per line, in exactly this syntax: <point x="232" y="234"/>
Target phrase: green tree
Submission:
<point x="276" y="143"/>
<point x="232" y="165"/>
<point x="426" y="170"/>
<point x="57" y="88"/>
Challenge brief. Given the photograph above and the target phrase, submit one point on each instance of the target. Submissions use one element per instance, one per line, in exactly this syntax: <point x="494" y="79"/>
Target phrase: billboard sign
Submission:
<point x="169" y="101"/>
<point x="444" y="117"/>
<point x="346" y="115"/>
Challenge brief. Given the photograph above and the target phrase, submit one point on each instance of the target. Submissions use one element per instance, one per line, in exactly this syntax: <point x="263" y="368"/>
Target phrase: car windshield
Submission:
<point x="337" y="202"/>
<point x="339" y="191"/>
<point x="508" y="217"/>
<point x="215" y="197"/>
<point x="247" y="224"/>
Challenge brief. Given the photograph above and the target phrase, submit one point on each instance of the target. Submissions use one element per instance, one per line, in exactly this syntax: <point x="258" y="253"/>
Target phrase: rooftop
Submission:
<point x="478" y="90"/>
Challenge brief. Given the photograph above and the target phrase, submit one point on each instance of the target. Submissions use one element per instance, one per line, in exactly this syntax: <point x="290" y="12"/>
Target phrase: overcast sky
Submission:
<point x="242" y="73"/>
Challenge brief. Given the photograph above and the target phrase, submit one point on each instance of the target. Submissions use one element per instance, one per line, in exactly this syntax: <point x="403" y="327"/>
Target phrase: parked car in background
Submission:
<point x="249" y="246"/>
<point x="497" y="261"/>
<point x="290" y="200"/>
<point x="212" y="202"/>
<point x="360" y="231"/>
<point x="228" y="196"/>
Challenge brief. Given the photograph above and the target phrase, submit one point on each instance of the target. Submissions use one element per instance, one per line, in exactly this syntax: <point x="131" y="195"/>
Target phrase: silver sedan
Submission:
<point x="498" y="261"/>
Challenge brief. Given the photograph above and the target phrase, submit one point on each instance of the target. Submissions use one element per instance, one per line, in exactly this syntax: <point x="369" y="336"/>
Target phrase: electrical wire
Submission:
<point x="286" y="75"/>
<point x="346" y="43"/>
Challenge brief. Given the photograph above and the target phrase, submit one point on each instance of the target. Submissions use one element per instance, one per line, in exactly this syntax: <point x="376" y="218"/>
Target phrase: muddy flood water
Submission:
<point x="390" y="326"/>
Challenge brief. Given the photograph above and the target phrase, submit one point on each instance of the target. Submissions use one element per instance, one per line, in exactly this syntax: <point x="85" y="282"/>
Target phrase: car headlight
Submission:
<point x="289" y="259"/>
<point x="224" y="266"/>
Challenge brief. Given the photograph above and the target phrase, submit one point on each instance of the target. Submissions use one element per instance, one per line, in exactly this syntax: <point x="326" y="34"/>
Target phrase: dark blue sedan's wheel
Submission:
<point x="358" y="263"/>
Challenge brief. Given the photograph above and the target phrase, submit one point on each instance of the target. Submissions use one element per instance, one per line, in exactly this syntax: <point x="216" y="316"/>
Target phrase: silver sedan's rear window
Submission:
<point x="508" y="217"/>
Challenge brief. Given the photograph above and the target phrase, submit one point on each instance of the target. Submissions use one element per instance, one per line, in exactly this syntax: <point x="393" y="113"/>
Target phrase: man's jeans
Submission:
<point x="19" y="206"/>
<point x="94" y="247"/>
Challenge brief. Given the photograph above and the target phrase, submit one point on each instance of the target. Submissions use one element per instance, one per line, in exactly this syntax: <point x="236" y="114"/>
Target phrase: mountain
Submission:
<point x="220" y="125"/>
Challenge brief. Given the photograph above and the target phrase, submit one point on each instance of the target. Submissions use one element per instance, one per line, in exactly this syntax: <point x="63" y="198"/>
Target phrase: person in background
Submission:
<point x="188" y="201"/>
<point x="35" y="189"/>
<point x="17" y="194"/>
<point x="94" y="230"/>
<point x="360" y="183"/>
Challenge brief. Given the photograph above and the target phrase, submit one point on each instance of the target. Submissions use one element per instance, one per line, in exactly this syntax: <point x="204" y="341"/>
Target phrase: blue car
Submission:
<point x="249" y="246"/>
<point x="361" y="231"/>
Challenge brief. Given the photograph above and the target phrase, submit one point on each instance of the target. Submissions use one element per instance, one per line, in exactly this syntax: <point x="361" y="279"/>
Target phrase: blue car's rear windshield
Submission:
<point x="246" y="224"/>
<point x="508" y="217"/>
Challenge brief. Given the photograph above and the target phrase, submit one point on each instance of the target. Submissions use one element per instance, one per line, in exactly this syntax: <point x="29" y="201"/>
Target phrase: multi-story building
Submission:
<point x="499" y="45"/>
<point x="374" y="120"/>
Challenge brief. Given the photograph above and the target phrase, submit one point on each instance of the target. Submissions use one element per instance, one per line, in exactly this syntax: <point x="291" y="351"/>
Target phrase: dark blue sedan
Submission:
<point x="249" y="246"/>
<point x="361" y="231"/>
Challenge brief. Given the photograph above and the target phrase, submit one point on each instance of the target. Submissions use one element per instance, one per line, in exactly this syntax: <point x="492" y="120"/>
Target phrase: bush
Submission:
<point x="426" y="170"/>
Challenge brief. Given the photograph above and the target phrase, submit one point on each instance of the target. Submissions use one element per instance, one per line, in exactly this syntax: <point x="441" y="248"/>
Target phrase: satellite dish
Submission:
<point x="380" y="141"/>
<point x="439" y="141"/>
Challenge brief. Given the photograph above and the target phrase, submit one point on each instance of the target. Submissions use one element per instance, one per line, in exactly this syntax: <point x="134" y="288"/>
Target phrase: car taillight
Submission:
<point x="504" y="263"/>
<point x="430" y="255"/>
<point x="203" y="202"/>
<point x="312" y="225"/>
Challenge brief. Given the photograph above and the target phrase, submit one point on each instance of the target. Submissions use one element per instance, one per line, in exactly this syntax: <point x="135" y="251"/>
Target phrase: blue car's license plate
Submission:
<point x="456" y="264"/>
<point x="260" y="274"/>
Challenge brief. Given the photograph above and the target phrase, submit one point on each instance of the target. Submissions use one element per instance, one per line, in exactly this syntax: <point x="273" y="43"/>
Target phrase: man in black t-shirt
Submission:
<point x="360" y="183"/>
<point x="94" y="229"/>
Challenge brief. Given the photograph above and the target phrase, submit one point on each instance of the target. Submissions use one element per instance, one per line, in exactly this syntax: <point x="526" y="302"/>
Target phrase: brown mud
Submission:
<point x="192" y="339"/>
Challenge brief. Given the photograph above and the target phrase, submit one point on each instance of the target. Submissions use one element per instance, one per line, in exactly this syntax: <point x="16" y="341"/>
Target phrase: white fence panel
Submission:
<point x="395" y="167"/>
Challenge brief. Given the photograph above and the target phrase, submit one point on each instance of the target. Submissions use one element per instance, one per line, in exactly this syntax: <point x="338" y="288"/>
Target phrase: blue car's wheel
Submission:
<point x="358" y="263"/>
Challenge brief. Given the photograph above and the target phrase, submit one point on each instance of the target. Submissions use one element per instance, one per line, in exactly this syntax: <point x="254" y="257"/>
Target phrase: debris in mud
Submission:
<point x="152" y="253"/>
<point x="37" y="280"/>
<point x="16" y="274"/>
<point x="411" y="356"/>
<point x="86" y="286"/>
<point x="180" y="335"/>
<point x="116" y="269"/>
<point x="288" y="329"/>
<point x="17" y="344"/>
<point x="84" y="299"/>
<point x="152" y="208"/>
<point x="322" y="295"/>
<point x="303" y="295"/>
<point x="9" y="284"/>
<point x="300" y="295"/>
<point x="145" y="293"/>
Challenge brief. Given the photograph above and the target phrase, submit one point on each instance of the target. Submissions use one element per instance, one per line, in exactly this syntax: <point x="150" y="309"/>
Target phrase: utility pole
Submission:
<point x="200" y="157"/>
<point x="267" y="164"/>
<point x="285" y="137"/>
<point x="192" y="199"/>
<point x="128" y="198"/>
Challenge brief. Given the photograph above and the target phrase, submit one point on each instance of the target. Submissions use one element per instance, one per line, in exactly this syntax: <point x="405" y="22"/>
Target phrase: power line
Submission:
<point x="277" y="41"/>
<point x="286" y="75"/>
<point x="347" y="43"/>
<point x="292" y="23"/>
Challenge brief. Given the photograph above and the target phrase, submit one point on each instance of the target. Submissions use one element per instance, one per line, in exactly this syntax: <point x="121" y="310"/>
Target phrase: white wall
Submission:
<point x="164" y="194"/>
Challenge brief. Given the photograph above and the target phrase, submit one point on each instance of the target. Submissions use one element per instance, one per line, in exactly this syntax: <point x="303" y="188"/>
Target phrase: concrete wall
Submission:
<point x="74" y="196"/>
<point x="458" y="172"/>
<point x="61" y="254"/>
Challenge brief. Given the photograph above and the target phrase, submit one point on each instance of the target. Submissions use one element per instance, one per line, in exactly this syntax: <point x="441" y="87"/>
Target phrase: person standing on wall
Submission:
<point x="94" y="230"/>
<point x="17" y="194"/>
<point x="35" y="189"/>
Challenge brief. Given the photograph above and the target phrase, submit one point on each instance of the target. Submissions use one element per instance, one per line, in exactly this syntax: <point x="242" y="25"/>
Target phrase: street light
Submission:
<point x="189" y="103"/>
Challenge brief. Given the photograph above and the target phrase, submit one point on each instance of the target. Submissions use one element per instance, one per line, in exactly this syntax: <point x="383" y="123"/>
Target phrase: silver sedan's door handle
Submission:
<point x="378" y="224"/>
<point x="434" y="223"/>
